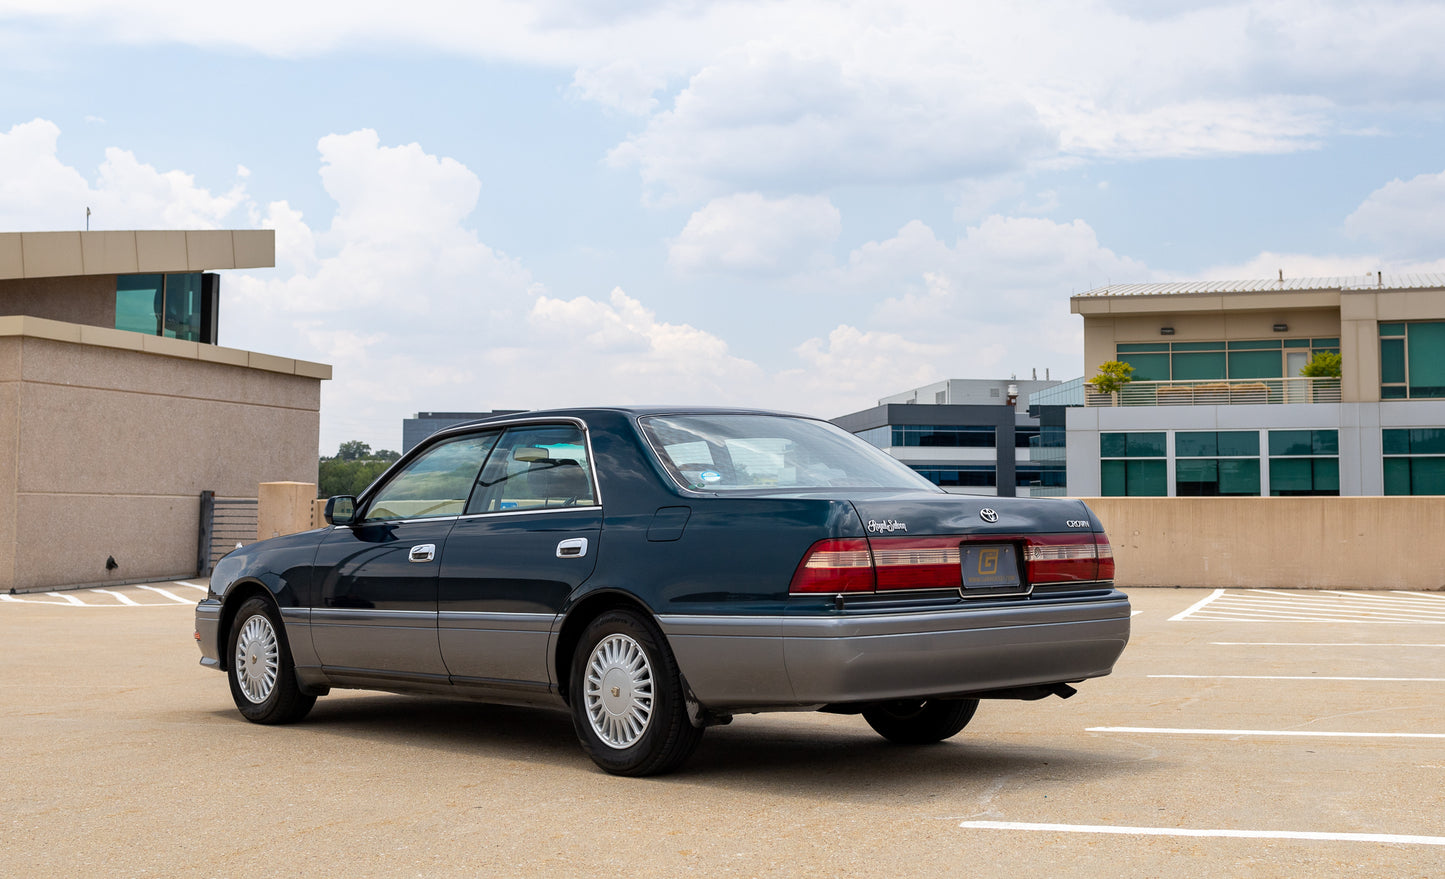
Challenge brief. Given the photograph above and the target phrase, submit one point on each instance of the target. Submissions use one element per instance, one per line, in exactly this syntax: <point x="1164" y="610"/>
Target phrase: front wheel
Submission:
<point x="920" y="722"/>
<point x="626" y="697"/>
<point x="262" y="675"/>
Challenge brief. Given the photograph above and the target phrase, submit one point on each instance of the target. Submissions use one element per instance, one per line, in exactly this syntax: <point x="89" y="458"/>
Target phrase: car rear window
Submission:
<point x="750" y="452"/>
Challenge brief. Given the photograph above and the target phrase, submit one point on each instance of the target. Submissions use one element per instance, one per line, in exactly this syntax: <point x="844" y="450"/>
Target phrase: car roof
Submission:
<point x="631" y="411"/>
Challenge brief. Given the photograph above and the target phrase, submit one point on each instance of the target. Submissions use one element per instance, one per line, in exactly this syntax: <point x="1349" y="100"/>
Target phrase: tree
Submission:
<point x="1325" y="364"/>
<point x="353" y="450"/>
<point x="1113" y="375"/>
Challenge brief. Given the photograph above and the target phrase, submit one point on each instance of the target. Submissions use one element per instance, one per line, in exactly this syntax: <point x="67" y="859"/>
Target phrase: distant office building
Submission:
<point x="1217" y="405"/>
<point x="968" y="436"/>
<point x="414" y="430"/>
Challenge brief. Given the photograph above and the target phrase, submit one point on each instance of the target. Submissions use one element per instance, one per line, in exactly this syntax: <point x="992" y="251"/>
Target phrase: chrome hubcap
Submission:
<point x="618" y="691"/>
<point x="257" y="658"/>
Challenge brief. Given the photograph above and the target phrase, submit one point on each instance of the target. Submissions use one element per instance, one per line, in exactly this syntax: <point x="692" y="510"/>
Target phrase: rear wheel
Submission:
<point x="627" y="700"/>
<point x="920" y="722"/>
<point x="262" y="675"/>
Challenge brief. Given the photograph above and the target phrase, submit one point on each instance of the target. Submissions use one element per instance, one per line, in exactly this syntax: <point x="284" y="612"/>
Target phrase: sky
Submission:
<point x="795" y="205"/>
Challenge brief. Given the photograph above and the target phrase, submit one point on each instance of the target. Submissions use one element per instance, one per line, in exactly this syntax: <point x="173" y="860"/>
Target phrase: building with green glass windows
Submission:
<point x="118" y="408"/>
<point x="1217" y="404"/>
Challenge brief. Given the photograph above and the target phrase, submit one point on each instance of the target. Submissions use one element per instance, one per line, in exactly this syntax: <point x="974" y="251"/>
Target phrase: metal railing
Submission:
<point x="225" y="524"/>
<point x="1216" y="392"/>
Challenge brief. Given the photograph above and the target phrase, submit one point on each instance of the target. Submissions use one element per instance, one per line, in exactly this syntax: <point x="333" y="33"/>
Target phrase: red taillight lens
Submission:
<point x="1069" y="558"/>
<point x="917" y="562"/>
<point x="840" y="565"/>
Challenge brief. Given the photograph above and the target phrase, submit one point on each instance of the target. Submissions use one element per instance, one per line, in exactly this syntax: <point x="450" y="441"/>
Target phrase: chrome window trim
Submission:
<point x="499" y="426"/>
<point x="535" y="512"/>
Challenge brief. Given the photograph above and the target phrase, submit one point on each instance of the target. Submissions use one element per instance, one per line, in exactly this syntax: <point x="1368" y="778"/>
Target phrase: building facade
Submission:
<point x="1217" y="405"/>
<point x="966" y="436"/>
<point x="414" y="430"/>
<point x="117" y="408"/>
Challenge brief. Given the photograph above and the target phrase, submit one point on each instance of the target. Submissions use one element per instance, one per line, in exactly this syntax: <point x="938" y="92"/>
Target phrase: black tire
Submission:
<point x="262" y="675"/>
<point x="920" y="722"/>
<point x="626" y="698"/>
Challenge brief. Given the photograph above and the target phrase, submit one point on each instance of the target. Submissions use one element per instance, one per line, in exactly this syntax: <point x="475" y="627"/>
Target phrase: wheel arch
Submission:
<point x="589" y="608"/>
<point x="236" y="596"/>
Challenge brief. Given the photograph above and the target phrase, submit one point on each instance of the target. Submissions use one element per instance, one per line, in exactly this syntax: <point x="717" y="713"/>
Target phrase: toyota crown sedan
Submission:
<point x="656" y="571"/>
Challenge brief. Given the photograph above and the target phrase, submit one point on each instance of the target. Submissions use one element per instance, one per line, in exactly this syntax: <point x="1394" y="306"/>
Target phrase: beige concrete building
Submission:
<point x="117" y="408"/>
<point x="1218" y="407"/>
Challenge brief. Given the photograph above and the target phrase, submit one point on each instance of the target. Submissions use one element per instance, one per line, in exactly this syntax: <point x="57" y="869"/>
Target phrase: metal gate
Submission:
<point x="226" y="522"/>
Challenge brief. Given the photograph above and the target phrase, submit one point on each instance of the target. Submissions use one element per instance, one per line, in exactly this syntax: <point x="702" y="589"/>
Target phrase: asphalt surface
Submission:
<point x="124" y="757"/>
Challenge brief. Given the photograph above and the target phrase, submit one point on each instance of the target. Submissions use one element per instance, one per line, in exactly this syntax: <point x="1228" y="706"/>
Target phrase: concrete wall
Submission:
<point x="1320" y="543"/>
<point x="83" y="300"/>
<point x="106" y="444"/>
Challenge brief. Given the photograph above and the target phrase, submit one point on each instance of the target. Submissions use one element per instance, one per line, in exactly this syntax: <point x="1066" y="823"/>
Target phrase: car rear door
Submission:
<point x="529" y="539"/>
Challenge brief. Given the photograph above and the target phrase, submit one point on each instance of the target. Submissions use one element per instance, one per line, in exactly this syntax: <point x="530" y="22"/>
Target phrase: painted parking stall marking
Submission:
<point x="1281" y="733"/>
<point x="1389" y="838"/>
<point x="1276" y="606"/>
<point x="135" y="595"/>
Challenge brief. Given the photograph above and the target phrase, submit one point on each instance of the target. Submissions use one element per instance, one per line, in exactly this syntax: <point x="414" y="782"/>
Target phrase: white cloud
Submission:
<point x="750" y="234"/>
<point x="1405" y="217"/>
<point x="623" y="85"/>
<point x="38" y="192"/>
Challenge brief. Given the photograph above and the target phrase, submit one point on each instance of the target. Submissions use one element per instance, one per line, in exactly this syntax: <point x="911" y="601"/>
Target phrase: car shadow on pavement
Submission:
<point x="793" y="754"/>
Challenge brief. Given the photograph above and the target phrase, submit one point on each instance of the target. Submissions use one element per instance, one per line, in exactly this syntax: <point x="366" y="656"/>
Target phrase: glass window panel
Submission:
<point x="546" y="466"/>
<point x="1327" y="475"/>
<point x="1199" y="366"/>
<point x="1113" y="445"/>
<point x="1145" y="445"/>
<point x="1427" y="475"/>
<point x="1135" y="347"/>
<point x="1325" y="442"/>
<point x="1396" y="392"/>
<point x="1396" y="442"/>
<point x="1397" y="476"/>
<point x="1197" y="346"/>
<point x="138" y="303"/>
<point x="1196" y="478"/>
<point x="1289" y="442"/>
<point x="1240" y="443"/>
<point x="1267" y="344"/>
<point x="1427" y="441"/>
<point x="1239" y="477"/>
<point x="1296" y="343"/>
<point x="1255" y="364"/>
<point x="1111" y="478"/>
<point x="182" y="318"/>
<point x="1392" y="361"/>
<point x="1195" y="445"/>
<point x="1146" y="478"/>
<point x="1290" y="476"/>
<point x="1148" y="367"/>
<point x="435" y="484"/>
<point x="1425" y="353"/>
<point x="1326" y="343"/>
<point x="1392" y="329"/>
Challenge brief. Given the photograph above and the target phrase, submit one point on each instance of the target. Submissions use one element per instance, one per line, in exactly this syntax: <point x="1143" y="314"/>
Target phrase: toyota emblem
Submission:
<point x="988" y="515"/>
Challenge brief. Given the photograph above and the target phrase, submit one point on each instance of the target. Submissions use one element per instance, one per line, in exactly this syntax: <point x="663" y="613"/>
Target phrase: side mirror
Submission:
<point x="341" y="510"/>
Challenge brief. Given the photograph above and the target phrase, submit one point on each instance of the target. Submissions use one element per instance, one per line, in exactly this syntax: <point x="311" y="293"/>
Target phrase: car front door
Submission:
<point x="376" y="609"/>
<point x="529" y="539"/>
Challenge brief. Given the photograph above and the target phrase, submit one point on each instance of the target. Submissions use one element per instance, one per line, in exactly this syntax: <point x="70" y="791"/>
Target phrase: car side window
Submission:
<point x="535" y="467"/>
<point x="434" y="484"/>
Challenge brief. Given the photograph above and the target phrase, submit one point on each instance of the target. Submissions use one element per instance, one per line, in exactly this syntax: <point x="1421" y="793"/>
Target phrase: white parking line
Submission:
<point x="68" y="599"/>
<point x="123" y="599"/>
<point x="1291" y="678"/>
<point x="171" y="595"/>
<point x="1198" y="605"/>
<point x="1391" y="838"/>
<point x="1325" y="606"/>
<point x="1263" y="732"/>
<point x="1311" y="644"/>
<point x="192" y="585"/>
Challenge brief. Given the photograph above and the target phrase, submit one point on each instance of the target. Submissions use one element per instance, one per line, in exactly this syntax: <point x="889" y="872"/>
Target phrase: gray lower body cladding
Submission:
<point x="772" y="663"/>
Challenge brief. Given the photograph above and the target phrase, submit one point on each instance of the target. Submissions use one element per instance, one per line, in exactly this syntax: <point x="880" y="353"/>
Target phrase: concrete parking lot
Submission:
<point x="1244" y="733"/>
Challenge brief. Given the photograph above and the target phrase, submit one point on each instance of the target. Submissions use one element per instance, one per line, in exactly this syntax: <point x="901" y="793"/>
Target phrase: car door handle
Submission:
<point x="422" y="552"/>
<point x="572" y="548"/>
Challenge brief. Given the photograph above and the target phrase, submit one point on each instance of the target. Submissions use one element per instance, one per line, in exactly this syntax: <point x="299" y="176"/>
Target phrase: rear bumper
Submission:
<point x="734" y="663"/>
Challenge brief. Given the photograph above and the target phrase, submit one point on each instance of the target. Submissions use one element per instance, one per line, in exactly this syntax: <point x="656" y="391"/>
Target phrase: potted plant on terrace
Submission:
<point x="1113" y="376"/>
<point x="1326" y="365"/>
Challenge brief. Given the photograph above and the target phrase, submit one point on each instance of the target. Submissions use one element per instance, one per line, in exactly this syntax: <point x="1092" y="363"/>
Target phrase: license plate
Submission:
<point x="990" y="566"/>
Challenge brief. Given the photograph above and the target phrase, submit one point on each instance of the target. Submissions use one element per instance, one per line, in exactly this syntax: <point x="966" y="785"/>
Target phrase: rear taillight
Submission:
<point x="917" y="562"/>
<point x="1068" y="558"/>
<point x="839" y="565"/>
